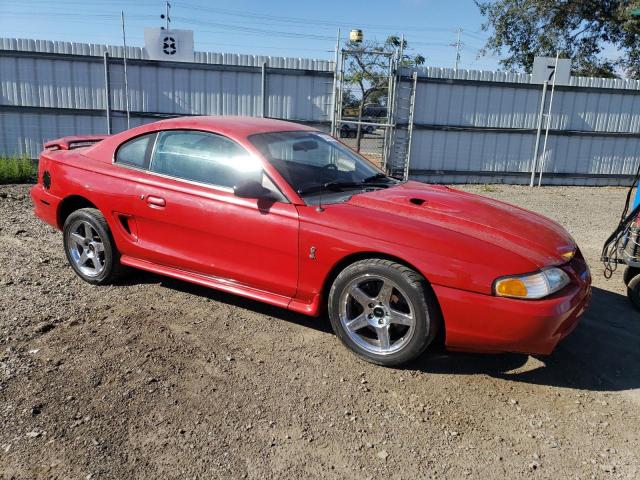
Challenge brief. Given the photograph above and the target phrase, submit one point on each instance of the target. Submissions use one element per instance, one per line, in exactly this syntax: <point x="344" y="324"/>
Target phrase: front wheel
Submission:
<point x="90" y="248"/>
<point x="633" y="291"/>
<point x="630" y="273"/>
<point x="383" y="311"/>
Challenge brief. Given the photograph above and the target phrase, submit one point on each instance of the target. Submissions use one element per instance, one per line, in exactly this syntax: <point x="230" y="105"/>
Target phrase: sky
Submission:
<point x="269" y="27"/>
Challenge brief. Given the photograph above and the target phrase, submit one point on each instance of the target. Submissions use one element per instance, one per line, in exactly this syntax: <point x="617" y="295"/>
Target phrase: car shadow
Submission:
<point x="322" y="325"/>
<point x="602" y="354"/>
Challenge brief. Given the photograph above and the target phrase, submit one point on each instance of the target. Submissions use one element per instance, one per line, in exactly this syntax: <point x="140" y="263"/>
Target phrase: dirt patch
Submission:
<point x="156" y="378"/>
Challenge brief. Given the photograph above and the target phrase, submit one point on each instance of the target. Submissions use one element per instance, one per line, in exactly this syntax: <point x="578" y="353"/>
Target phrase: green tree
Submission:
<point x="582" y="30"/>
<point x="407" y="60"/>
<point x="366" y="73"/>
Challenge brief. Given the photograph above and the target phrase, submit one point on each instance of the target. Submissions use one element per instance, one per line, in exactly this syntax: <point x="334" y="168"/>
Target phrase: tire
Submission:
<point x="633" y="291"/>
<point x="374" y="296"/>
<point x="629" y="273"/>
<point x="87" y="239"/>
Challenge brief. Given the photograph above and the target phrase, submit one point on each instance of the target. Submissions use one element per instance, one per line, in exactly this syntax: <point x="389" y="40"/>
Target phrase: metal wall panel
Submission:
<point x="503" y="154"/>
<point x="511" y="106"/>
<point x="299" y="97"/>
<point x="24" y="133"/>
<point x="64" y="75"/>
<point x="469" y="122"/>
<point x="53" y="83"/>
<point x="471" y="125"/>
<point x="186" y="91"/>
<point x="44" y="82"/>
<point x="75" y="48"/>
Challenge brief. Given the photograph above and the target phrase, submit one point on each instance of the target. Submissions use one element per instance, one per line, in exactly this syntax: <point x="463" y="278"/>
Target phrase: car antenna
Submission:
<point x="319" y="207"/>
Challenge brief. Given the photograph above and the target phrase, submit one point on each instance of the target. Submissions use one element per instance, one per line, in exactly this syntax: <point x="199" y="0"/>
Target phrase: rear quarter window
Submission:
<point x="135" y="152"/>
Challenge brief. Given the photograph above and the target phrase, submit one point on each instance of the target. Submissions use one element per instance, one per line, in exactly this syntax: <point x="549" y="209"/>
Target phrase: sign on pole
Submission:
<point x="544" y="69"/>
<point x="172" y="45"/>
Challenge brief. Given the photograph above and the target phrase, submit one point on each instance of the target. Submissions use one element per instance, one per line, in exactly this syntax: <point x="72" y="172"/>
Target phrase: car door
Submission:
<point x="188" y="217"/>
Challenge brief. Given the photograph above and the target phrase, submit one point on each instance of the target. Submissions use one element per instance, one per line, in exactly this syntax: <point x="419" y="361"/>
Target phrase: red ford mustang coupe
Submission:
<point x="285" y="214"/>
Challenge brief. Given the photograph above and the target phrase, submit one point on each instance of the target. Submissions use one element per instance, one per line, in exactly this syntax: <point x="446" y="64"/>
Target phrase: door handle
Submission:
<point x="156" y="201"/>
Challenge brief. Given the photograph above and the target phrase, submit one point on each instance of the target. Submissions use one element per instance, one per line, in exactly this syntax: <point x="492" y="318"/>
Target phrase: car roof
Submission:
<point x="235" y="126"/>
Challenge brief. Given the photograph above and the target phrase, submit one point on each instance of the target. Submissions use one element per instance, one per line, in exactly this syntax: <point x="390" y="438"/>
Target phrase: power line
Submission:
<point x="81" y="16"/>
<point x="476" y="36"/>
<point x="241" y="28"/>
<point x="222" y="27"/>
<point x="231" y="29"/>
<point x="305" y="21"/>
<point x="326" y="23"/>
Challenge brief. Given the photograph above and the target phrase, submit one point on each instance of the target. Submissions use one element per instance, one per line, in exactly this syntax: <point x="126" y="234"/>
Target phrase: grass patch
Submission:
<point x="488" y="188"/>
<point x="16" y="169"/>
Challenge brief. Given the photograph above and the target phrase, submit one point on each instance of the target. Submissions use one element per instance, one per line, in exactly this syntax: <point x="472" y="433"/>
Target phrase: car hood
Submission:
<point x="533" y="236"/>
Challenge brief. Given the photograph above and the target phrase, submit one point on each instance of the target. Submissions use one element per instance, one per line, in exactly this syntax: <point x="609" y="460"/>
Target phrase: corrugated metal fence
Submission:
<point x="469" y="126"/>
<point x="481" y="127"/>
<point x="52" y="89"/>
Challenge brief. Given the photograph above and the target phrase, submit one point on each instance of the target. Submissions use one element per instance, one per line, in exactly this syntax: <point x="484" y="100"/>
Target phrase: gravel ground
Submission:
<point x="155" y="378"/>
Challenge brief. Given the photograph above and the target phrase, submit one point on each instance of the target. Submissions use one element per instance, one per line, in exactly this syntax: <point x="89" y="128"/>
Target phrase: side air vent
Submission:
<point x="128" y="224"/>
<point x="417" y="201"/>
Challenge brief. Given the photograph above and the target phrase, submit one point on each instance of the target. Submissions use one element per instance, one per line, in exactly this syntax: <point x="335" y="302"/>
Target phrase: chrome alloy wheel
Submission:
<point x="86" y="248"/>
<point x="377" y="314"/>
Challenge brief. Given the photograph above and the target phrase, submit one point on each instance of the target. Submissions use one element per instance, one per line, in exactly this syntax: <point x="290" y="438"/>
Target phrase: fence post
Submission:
<point x="546" y="132"/>
<point x="107" y="91"/>
<point x="334" y="102"/>
<point x="534" y="160"/>
<point x="412" y="106"/>
<point x="265" y="99"/>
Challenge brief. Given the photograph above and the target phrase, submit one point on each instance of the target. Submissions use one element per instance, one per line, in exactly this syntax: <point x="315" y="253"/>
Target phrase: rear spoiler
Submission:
<point x="78" y="141"/>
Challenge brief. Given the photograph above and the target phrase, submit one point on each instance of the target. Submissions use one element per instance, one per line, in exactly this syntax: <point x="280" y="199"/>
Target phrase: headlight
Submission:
<point x="533" y="286"/>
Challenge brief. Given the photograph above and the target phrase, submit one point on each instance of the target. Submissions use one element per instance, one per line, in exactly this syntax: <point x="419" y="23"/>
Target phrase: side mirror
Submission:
<point x="253" y="189"/>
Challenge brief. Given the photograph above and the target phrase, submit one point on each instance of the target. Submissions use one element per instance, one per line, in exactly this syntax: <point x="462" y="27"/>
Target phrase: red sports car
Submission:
<point x="286" y="214"/>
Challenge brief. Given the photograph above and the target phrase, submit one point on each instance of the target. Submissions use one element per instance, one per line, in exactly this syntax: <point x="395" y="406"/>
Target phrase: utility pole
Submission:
<point x="165" y="16"/>
<point x="458" y="46"/>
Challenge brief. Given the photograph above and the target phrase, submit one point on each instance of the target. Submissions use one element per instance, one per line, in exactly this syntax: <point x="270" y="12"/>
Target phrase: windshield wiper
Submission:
<point x="377" y="176"/>
<point x="339" y="186"/>
<point x="335" y="186"/>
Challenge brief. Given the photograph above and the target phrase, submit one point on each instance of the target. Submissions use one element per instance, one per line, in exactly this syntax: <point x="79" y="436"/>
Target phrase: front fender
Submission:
<point x="442" y="256"/>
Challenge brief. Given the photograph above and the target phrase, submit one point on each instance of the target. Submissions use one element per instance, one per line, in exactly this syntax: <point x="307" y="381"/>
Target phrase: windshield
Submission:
<point x="313" y="162"/>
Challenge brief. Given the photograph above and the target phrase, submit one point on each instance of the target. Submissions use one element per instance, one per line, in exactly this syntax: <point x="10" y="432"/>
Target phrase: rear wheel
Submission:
<point x="383" y="311"/>
<point x="633" y="291"/>
<point x="90" y="248"/>
<point x="629" y="273"/>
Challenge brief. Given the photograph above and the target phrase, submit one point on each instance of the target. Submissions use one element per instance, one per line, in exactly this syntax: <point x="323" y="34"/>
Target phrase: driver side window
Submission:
<point x="204" y="158"/>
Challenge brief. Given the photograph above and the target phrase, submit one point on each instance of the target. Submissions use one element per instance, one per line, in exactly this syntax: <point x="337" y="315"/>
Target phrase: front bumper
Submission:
<point x="45" y="205"/>
<point x="485" y="323"/>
